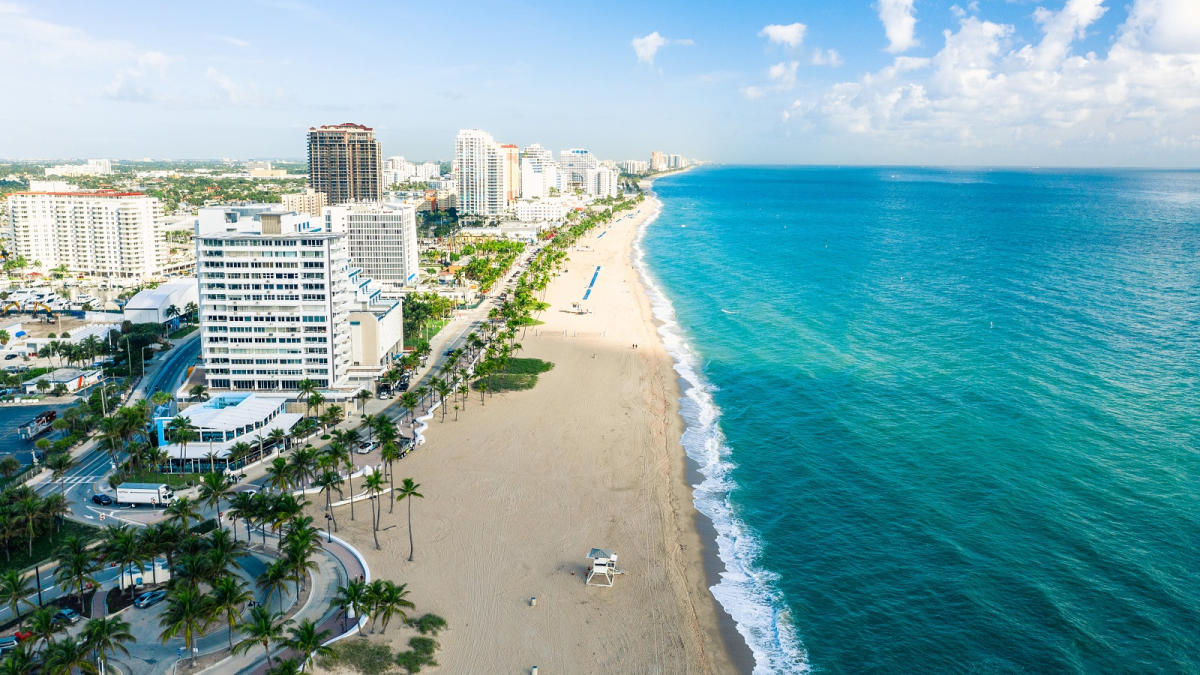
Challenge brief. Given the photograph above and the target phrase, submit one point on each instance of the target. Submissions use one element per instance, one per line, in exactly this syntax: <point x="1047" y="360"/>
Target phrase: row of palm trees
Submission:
<point x="70" y="353"/>
<point x="26" y="516"/>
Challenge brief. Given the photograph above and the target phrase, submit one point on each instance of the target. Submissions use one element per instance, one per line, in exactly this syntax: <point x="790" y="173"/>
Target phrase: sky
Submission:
<point x="999" y="82"/>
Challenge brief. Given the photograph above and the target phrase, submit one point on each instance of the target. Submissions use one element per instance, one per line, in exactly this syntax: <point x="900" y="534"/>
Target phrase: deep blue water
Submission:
<point x="949" y="418"/>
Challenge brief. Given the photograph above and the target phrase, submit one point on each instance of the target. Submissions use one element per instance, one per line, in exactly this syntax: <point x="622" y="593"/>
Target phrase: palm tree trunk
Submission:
<point x="349" y="477"/>
<point x="267" y="647"/>
<point x="410" y="537"/>
<point x="375" y="528"/>
<point x="392" y="494"/>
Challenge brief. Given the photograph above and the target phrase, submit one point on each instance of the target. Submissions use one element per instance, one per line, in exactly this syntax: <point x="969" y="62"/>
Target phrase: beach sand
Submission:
<point x="520" y="488"/>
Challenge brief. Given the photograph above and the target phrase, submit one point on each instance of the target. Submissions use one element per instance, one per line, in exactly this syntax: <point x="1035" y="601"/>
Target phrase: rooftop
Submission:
<point x="228" y="412"/>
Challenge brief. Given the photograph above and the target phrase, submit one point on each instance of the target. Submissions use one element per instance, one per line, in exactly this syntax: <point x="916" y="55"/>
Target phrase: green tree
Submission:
<point x="75" y="566"/>
<point x="183" y="510"/>
<point x="60" y="463"/>
<point x="214" y="488"/>
<point x="106" y="636"/>
<point x="262" y="627"/>
<point x="374" y="487"/>
<point x="408" y="491"/>
<point x="43" y="626"/>
<point x="308" y="640"/>
<point x="65" y="656"/>
<point x="15" y="591"/>
<point x="187" y="615"/>
<point x="274" y="580"/>
<point x="229" y="595"/>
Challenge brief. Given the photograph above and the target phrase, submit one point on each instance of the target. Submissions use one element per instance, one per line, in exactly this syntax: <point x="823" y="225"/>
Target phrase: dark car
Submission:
<point x="149" y="599"/>
<point x="10" y="357"/>
<point x="102" y="500"/>
<point x="66" y="615"/>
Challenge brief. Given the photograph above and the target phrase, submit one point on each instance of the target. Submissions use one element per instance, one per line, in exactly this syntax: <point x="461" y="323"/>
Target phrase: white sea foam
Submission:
<point x="746" y="591"/>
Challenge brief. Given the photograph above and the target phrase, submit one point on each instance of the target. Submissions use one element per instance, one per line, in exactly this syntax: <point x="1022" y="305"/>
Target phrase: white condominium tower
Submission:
<point x="482" y="174"/>
<point x="274" y="293"/>
<point x="539" y="172"/>
<point x="577" y="166"/>
<point x="382" y="240"/>
<point x="107" y="234"/>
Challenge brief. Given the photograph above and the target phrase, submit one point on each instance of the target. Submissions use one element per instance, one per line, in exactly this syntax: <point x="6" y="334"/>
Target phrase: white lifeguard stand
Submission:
<point x="604" y="567"/>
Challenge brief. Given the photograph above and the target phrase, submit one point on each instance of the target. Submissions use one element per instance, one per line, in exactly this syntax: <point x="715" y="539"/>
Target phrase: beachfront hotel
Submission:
<point x="482" y="174"/>
<point x="280" y="302"/>
<point x="382" y="240"/>
<point x="107" y="234"/>
<point x="345" y="163"/>
<point x="539" y="172"/>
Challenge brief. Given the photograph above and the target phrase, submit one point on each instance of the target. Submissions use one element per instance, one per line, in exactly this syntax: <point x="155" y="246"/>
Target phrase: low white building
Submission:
<point x="72" y="378"/>
<point x="152" y="305"/>
<point x="79" y="335"/>
<point x="226" y="420"/>
<point x="538" y="210"/>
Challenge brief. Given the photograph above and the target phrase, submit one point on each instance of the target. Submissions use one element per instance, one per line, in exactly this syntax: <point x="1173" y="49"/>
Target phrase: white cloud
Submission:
<point x="783" y="75"/>
<point x="826" y="57"/>
<point x="236" y="42"/>
<point x="791" y="35"/>
<point x="980" y="90"/>
<point x="753" y="92"/>
<point x="648" y="45"/>
<point x="899" y="23"/>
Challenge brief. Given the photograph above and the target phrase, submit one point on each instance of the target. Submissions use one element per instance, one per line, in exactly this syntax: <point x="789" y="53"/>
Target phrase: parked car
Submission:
<point x="102" y="500"/>
<point x="149" y="599"/>
<point x="10" y="357"/>
<point x="66" y="615"/>
<point x="365" y="447"/>
<point x="8" y="643"/>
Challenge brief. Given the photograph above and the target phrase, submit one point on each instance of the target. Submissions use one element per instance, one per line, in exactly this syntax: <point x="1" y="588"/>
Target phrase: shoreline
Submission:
<point x="529" y="481"/>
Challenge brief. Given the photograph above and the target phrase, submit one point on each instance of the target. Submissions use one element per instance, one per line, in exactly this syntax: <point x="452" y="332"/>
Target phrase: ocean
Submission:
<point x="947" y="419"/>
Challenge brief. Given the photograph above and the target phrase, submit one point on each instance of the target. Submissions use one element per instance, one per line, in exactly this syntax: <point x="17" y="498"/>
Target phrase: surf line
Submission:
<point x="593" y="283"/>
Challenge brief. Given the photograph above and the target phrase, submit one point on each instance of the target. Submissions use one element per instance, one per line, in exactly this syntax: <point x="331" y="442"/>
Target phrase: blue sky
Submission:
<point x="1064" y="82"/>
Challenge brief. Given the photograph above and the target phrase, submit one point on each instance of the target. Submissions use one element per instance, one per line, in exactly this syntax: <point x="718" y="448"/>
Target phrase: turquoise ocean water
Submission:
<point x="948" y="419"/>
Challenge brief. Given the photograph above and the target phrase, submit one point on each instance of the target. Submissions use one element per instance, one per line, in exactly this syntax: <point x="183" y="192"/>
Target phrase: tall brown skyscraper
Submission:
<point x="345" y="163"/>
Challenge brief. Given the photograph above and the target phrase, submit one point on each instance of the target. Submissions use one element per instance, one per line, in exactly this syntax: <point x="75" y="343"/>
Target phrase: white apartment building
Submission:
<point x="482" y="174"/>
<point x="539" y="172"/>
<point x="310" y="202"/>
<point x="382" y="240"/>
<point x="94" y="167"/>
<point x="106" y="234"/>
<point x="634" y="166"/>
<point x="576" y="165"/>
<point x="605" y="182"/>
<point x="551" y="209"/>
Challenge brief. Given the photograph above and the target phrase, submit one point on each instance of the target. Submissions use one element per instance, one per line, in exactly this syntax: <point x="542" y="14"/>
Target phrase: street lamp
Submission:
<point x="328" y="534"/>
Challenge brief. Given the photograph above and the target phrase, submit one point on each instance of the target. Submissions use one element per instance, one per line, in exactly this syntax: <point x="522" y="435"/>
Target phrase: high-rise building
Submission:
<point x="482" y="178"/>
<point x="512" y="172"/>
<point x="345" y="163"/>
<point x="539" y="172"/>
<point x="281" y="303"/>
<point x="382" y="240"/>
<point x="606" y="182"/>
<point x="309" y="202"/>
<point x="107" y="234"/>
<point x="658" y="161"/>
<point x="577" y="165"/>
<point x="634" y="166"/>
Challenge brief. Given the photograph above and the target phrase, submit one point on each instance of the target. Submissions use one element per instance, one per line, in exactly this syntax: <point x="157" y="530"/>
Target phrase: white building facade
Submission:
<point x="482" y="176"/>
<point x="539" y="172"/>
<point x="106" y="234"/>
<point x="382" y="240"/>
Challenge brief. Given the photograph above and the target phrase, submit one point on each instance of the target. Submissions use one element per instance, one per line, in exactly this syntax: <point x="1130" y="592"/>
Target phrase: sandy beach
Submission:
<point x="521" y="487"/>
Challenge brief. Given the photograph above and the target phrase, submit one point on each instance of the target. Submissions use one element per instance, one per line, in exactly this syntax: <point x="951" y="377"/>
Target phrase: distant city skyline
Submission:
<point x="1001" y="82"/>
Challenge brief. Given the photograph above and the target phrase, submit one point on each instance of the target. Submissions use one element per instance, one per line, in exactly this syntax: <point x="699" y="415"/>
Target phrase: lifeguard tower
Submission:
<point x="604" y="567"/>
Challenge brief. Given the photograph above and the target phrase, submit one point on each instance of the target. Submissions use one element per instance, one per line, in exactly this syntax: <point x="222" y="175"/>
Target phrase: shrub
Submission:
<point x="429" y="623"/>
<point x="368" y="658"/>
<point x="424" y="646"/>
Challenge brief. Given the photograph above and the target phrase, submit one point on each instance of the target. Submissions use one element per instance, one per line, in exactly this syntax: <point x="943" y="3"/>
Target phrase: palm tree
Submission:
<point x="229" y="595"/>
<point x="329" y="481"/>
<point x="362" y="397"/>
<point x="408" y="490"/>
<point x="187" y="615"/>
<point x="279" y="475"/>
<point x="15" y="590"/>
<point x="374" y="487"/>
<point x="410" y="401"/>
<point x="286" y="667"/>
<point x="198" y="393"/>
<point x="315" y="400"/>
<point x="43" y="626"/>
<point x="54" y="509"/>
<point x="121" y="545"/>
<point x="443" y="390"/>
<point x="75" y="566"/>
<point x="60" y="463"/>
<point x="278" y="438"/>
<point x="191" y="309"/>
<point x="274" y="580"/>
<point x="352" y="598"/>
<point x="21" y="661"/>
<point x="65" y="656"/>
<point x="29" y="509"/>
<point x="183" y="510"/>
<point x="390" y="453"/>
<point x="105" y="636"/>
<point x="214" y="487"/>
<point x="309" y="641"/>
<point x="304" y="389"/>
<point x="298" y="556"/>
<point x="262" y="628"/>
<point x="172" y="312"/>
<point x="392" y="600"/>
<point x="241" y="506"/>
<point x="182" y="431"/>
<point x="223" y="552"/>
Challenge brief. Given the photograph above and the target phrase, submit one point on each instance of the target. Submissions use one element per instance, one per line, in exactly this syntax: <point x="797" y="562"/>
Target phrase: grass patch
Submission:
<point x="44" y="546"/>
<point x="361" y="656"/>
<point x="182" y="331"/>
<point x="427" y="332"/>
<point x="177" y="481"/>
<point x="518" y="375"/>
